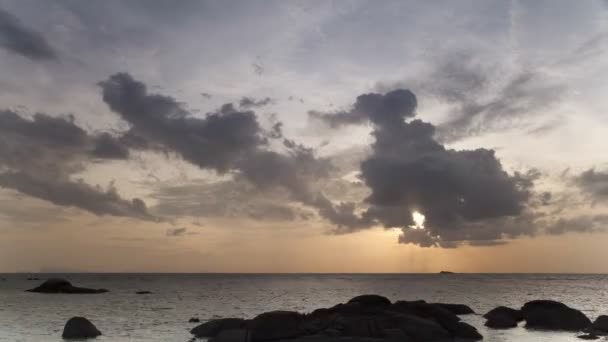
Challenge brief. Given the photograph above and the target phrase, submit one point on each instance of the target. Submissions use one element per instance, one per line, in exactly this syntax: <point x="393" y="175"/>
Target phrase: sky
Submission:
<point x="303" y="136"/>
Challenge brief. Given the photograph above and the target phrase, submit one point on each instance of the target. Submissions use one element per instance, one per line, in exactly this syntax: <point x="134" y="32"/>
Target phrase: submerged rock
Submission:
<point x="58" y="285"/>
<point x="501" y="322"/>
<point x="79" y="328"/>
<point x="194" y="320"/>
<point x="588" y="337"/>
<point x="143" y="292"/>
<point x="552" y="315"/>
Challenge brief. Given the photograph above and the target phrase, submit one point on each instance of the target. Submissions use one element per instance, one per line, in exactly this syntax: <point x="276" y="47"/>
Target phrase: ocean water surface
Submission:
<point x="122" y="315"/>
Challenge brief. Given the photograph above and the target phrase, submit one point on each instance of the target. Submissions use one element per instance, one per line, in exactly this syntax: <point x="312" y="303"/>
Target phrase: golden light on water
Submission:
<point x="418" y="219"/>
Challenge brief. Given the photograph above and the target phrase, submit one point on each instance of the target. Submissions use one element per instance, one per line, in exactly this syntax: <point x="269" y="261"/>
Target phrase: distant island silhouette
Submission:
<point x="446" y="272"/>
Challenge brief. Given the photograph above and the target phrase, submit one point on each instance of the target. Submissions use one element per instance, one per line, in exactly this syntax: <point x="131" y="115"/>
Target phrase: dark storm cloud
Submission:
<point x="107" y="146"/>
<point x="594" y="183"/>
<point x="458" y="191"/>
<point x="75" y="194"/>
<point x="38" y="156"/>
<point x="228" y="140"/>
<point x="372" y="107"/>
<point x="248" y="102"/>
<point x="21" y="40"/>
<point x="217" y="141"/>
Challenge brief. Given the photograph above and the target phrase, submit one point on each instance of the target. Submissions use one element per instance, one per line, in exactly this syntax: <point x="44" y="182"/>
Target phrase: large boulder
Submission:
<point x="552" y="315"/>
<point x="599" y="326"/>
<point x="58" y="285"/>
<point x="371" y="300"/>
<point x="456" y="309"/>
<point x="79" y="328"/>
<point x="422" y="309"/>
<point x="275" y="325"/>
<point x="420" y="329"/>
<point x="503" y="311"/>
<point x="466" y="332"/>
<point x="213" y="327"/>
<point x="231" y="335"/>
<point x="503" y="317"/>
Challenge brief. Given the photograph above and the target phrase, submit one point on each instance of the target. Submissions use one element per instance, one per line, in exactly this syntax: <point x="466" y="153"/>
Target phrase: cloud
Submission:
<point x="39" y="156"/>
<point x="176" y="232"/>
<point x="75" y="194"/>
<point x="579" y="224"/>
<point x="227" y="140"/>
<point x="464" y="194"/>
<point x="248" y="102"/>
<point x="21" y="40"/>
<point x="594" y="183"/>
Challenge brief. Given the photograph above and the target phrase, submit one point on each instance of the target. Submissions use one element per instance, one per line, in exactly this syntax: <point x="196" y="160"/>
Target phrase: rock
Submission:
<point x="275" y="325"/>
<point x="231" y="335"/>
<point x="456" y="309"/>
<point x="501" y="322"/>
<point x="142" y="292"/>
<point x="503" y="311"/>
<point x="194" y="320"/>
<point x="213" y="327"/>
<point x="446" y="272"/>
<point x="422" y="309"/>
<point x="552" y="315"/>
<point x="371" y="301"/>
<point x="588" y="337"/>
<point x="79" y="328"/>
<point x="359" y="326"/>
<point x="420" y="329"/>
<point x="600" y="326"/>
<point x="396" y="335"/>
<point x="467" y="332"/>
<point x="58" y="285"/>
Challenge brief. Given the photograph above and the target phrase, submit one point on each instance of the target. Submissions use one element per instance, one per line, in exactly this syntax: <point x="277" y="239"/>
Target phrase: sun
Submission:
<point x="418" y="219"/>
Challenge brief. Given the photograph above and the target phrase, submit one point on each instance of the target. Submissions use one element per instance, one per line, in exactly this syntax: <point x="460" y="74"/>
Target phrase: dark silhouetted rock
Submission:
<point x="194" y="320"/>
<point x="457" y="309"/>
<point x="231" y="335"/>
<point x="503" y="311"/>
<point x="371" y="300"/>
<point x="552" y="315"/>
<point x="57" y="285"/>
<point x="446" y="272"/>
<point x="275" y="325"/>
<point x="503" y="317"/>
<point x="213" y="327"/>
<point x="420" y="329"/>
<point x="79" y="328"/>
<point x="588" y="337"/>
<point x="467" y="332"/>
<point x="599" y="326"/>
<point x="501" y="322"/>
<point x="420" y="308"/>
<point x="142" y="292"/>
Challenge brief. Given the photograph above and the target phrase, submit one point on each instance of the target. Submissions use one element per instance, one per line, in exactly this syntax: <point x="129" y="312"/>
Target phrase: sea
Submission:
<point x="122" y="315"/>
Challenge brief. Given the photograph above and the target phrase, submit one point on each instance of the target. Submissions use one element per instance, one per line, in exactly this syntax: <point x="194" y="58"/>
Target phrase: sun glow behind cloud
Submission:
<point x="418" y="219"/>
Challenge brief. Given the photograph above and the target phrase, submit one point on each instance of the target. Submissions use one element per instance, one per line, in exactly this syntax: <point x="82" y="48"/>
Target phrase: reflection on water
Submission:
<point x="122" y="315"/>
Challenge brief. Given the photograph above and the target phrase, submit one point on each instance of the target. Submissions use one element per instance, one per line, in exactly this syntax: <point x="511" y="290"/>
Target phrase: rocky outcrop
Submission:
<point x="457" y="309"/>
<point x="194" y="320"/>
<point x="79" y="328"/>
<point x="503" y="317"/>
<point x="364" y="318"/>
<point x="599" y="326"/>
<point x="213" y="327"/>
<point x="58" y="285"/>
<point x="552" y="315"/>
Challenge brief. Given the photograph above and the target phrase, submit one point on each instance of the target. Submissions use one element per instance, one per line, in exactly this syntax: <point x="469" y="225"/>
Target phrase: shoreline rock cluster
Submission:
<point x="365" y="318"/>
